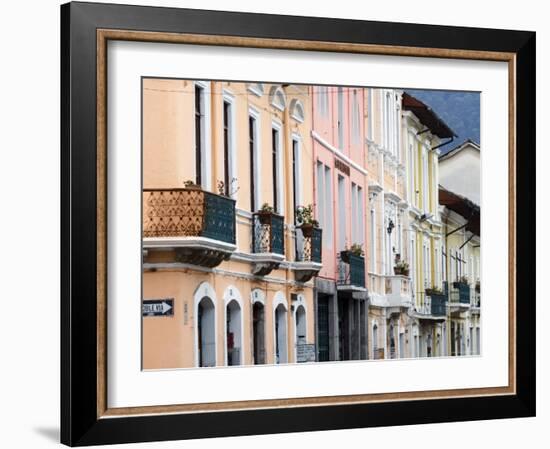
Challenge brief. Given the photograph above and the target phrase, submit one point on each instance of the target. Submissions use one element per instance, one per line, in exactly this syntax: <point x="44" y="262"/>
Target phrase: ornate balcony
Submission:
<point x="398" y="291"/>
<point x="308" y="253"/>
<point x="268" y="242"/>
<point x="438" y="304"/>
<point x="460" y="295"/>
<point x="433" y="306"/>
<point x="198" y="225"/>
<point x="351" y="271"/>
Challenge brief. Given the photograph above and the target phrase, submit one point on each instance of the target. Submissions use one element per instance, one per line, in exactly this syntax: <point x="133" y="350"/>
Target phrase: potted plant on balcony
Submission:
<point x="191" y="185"/>
<point x="461" y="280"/>
<point x="401" y="268"/>
<point x="434" y="291"/>
<point x="356" y="249"/>
<point x="304" y="217"/>
<point x="265" y="213"/>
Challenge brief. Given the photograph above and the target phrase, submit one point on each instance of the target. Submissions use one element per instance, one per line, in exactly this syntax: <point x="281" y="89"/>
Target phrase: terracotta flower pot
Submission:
<point x="307" y="229"/>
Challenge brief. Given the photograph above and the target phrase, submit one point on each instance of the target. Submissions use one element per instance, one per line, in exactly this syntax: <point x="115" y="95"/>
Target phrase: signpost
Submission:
<point x="305" y="353"/>
<point x="158" y="307"/>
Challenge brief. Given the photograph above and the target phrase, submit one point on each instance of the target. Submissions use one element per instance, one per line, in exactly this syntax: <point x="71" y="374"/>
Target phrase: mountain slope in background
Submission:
<point x="460" y="110"/>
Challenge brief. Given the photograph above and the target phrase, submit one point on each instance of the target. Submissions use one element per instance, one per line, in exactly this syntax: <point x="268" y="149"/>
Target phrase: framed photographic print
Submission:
<point x="280" y="224"/>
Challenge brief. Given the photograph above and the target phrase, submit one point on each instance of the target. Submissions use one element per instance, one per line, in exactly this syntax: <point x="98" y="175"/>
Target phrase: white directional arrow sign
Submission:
<point x="158" y="307"/>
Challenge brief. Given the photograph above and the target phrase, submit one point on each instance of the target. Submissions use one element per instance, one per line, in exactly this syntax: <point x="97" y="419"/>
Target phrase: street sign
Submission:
<point x="305" y="353"/>
<point x="158" y="307"/>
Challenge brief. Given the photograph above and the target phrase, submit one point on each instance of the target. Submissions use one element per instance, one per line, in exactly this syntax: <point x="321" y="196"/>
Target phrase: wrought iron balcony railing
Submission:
<point x="308" y="253"/>
<point x="460" y="293"/>
<point x="351" y="269"/>
<point x="200" y="225"/>
<point x="188" y="212"/>
<point x="438" y="304"/>
<point x="268" y="233"/>
<point x="309" y="246"/>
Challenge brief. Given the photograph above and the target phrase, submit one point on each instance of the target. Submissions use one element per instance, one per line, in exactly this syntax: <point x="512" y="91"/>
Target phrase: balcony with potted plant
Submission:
<point x="268" y="242"/>
<point x="460" y="293"/>
<point x="308" y="241"/>
<point x="351" y="268"/>
<point x="198" y="225"/>
<point x="398" y="286"/>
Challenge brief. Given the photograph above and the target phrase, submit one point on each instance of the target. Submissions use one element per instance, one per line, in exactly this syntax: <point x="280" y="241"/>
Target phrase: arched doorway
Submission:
<point x="258" y="333"/>
<point x="233" y="328"/>
<point x="281" y="353"/>
<point x="375" y="341"/>
<point x="301" y="329"/>
<point x="206" y="328"/>
<point x="392" y="341"/>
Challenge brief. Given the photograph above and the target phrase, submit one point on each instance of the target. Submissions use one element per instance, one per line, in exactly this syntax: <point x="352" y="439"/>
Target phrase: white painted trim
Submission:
<point x="338" y="153"/>
<point x="300" y="302"/>
<point x="280" y="194"/>
<point x="297" y="111"/>
<point x="256" y="115"/>
<point x="259" y="298"/>
<point x="227" y="299"/>
<point x="298" y="139"/>
<point x="204" y="290"/>
<point x="256" y="88"/>
<point x="229" y="97"/>
<point x="278" y="299"/>
<point x="273" y="97"/>
<point x="206" y="151"/>
<point x="183" y="242"/>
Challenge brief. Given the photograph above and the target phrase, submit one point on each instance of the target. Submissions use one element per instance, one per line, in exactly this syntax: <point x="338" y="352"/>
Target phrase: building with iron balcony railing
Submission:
<point x="199" y="225"/>
<point x="308" y="261"/>
<point x="351" y="271"/>
<point x="459" y="295"/>
<point x="268" y="242"/>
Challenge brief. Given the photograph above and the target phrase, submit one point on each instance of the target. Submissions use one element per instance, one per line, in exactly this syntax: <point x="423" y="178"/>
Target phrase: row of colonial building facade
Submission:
<point x="291" y="223"/>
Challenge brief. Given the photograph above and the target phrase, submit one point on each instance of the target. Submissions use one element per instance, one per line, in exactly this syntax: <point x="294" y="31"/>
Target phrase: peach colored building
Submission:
<point x="341" y="183"/>
<point x="225" y="165"/>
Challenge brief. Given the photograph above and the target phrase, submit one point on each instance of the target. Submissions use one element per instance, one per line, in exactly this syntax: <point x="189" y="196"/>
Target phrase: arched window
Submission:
<point x="280" y="328"/>
<point x="300" y="330"/>
<point x="206" y="330"/>
<point x="256" y="88"/>
<point x="375" y="341"/>
<point x="277" y="98"/>
<point x="233" y="330"/>
<point x="258" y="326"/>
<point x="297" y="110"/>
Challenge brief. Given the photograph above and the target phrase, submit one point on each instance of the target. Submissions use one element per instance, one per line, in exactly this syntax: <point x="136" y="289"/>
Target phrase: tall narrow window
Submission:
<point x="373" y="240"/>
<point x="275" y="167"/>
<point x="328" y="208"/>
<point x="340" y="118"/>
<point x="360" y="217"/>
<point x="370" y="112"/>
<point x="252" y="151"/>
<point x="199" y="132"/>
<point x="342" y="226"/>
<point x="355" y="119"/>
<point x="226" y="147"/>
<point x="354" y="205"/>
<point x="295" y="174"/>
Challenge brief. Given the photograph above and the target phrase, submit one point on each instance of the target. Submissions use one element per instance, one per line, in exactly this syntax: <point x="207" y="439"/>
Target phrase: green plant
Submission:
<point x="304" y="216"/>
<point x="190" y="184"/>
<point x="402" y="265"/>
<point x="463" y="279"/>
<point x="434" y="291"/>
<point x="266" y="208"/>
<point x="357" y="249"/>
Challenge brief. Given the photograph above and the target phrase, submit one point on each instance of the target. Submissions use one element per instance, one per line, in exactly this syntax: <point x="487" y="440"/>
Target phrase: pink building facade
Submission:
<point x="340" y="193"/>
